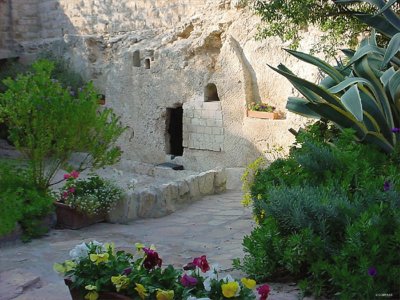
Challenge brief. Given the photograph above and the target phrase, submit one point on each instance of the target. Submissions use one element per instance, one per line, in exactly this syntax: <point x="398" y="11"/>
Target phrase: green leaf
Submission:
<point x="300" y="106"/>
<point x="392" y="49"/>
<point x="389" y="15"/>
<point x="378" y="139"/>
<point x="348" y="82"/>
<point x="364" y="70"/>
<point x="379" y="23"/>
<point x="328" y="69"/>
<point x="387" y="75"/>
<point x="362" y="51"/>
<point x="388" y="4"/>
<point x="394" y="89"/>
<point x="307" y="87"/>
<point x="352" y="101"/>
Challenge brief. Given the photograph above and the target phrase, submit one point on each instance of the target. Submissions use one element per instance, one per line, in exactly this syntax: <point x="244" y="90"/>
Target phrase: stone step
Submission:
<point x="51" y="291"/>
<point x="17" y="281"/>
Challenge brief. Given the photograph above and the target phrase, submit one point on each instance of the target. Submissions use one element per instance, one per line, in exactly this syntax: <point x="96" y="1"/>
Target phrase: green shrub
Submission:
<point x="324" y="215"/>
<point x="10" y="211"/>
<point x="22" y="202"/>
<point x="47" y="123"/>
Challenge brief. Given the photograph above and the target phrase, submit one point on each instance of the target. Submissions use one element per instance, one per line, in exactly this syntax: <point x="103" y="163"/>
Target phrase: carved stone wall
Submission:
<point x="149" y="56"/>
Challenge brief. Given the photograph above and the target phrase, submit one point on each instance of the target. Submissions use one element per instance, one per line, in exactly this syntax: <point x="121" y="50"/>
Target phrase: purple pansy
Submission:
<point x="372" y="271"/>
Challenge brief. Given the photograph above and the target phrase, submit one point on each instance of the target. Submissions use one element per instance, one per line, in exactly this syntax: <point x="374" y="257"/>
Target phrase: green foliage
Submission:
<point x="48" y="124"/>
<point x="340" y="22"/>
<point x="366" y="99"/>
<point x="11" y="68"/>
<point x="63" y="73"/>
<point x="21" y="201"/>
<point x="327" y="214"/>
<point x="10" y="202"/>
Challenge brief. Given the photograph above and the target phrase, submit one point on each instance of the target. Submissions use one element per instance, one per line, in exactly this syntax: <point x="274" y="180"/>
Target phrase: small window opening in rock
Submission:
<point x="102" y="99"/>
<point x="174" y="127"/>
<point x="147" y="63"/>
<point x="136" y="58"/>
<point x="211" y="93"/>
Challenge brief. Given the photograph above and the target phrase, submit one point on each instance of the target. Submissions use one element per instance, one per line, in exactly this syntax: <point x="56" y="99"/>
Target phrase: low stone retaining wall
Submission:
<point x="160" y="200"/>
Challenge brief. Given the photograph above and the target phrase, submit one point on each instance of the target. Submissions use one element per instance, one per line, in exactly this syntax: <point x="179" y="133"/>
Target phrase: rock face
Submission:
<point x="180" y="74"/>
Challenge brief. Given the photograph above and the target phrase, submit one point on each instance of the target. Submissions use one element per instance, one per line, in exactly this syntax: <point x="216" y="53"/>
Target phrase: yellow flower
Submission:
<point x="139" y="247"/>
<point x="230" y="289"/>
<point x="121" y="282"/>
<point x="99" y="258"/>
<point x="92" y="295"/>
<point x="110" y="247"/>
<point x="165" y="295"/>
<point x="249" y="283"/>
<point x="141" y="290"/>
<point x="65" y="267"/>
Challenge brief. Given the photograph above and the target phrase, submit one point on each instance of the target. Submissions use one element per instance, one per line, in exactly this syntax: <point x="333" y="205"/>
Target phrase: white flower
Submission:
<point x="213" y="272"/>
<point x="209" y="276"/>
<point x="228" y="278"/>
<point x="82" y="250"/>
<point x="79" y="251"/>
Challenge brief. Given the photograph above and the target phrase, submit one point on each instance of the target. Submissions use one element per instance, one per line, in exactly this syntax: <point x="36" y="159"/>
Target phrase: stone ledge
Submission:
<point x="15" y="282"/>
<point x="162" y="200"/>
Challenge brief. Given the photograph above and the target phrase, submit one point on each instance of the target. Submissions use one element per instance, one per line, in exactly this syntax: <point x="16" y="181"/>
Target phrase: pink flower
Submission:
<point x="74" y="174"/>
<point x="71" y="190"/>
<point x="67" y="176"/>
<point x="263" y="291"/>
<point x="202" y="263"/>
<point x="65" y="195"/>
<point x="187" y="280"/>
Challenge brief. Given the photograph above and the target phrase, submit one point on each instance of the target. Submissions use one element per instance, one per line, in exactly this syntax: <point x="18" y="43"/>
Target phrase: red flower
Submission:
<point x="74" y="174"/>
<point x="71" y="190"/>
<point x="202" y="263"/>
<point x="152" y="259"/>
<point x="263" y="291"/>
<point x="67" y="176"/>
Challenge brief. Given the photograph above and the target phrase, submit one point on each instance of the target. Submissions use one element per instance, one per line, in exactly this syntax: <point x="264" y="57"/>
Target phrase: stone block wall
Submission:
<point x="203" y="126"/>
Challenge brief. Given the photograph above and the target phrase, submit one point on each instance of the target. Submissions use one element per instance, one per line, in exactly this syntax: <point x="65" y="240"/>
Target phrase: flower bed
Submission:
<point x="96" y="270"/>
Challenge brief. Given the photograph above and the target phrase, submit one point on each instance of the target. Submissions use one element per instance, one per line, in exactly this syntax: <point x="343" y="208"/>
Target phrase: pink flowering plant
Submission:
<point x="96" y="271"/>
<point x="261" y="106"/>
<point x="92" y="196"/>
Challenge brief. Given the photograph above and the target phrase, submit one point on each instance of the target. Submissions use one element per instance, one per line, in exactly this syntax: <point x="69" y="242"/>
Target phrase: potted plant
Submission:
<point x="85" y="202"/>
<point x="97" y="271"/>
<point x="262" y="111"/>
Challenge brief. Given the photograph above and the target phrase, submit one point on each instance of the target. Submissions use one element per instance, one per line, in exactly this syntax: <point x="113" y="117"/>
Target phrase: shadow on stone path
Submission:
<point x="214" y="226"/>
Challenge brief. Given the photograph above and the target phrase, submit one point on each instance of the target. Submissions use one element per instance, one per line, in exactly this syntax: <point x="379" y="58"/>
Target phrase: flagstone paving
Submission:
<point x="214" y="226"/>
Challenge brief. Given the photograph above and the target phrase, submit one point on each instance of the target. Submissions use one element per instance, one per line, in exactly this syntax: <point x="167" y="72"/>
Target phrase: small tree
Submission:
<point x="47" y="123"/>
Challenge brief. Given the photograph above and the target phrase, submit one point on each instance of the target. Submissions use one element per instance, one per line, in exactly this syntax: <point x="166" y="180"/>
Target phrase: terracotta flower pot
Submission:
<point x="262" y="114"/>
<point x="78" y="294"/>
<point x="70" y="218"/>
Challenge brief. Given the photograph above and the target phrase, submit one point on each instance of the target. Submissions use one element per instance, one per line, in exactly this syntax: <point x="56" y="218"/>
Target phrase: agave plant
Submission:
<point x="364" y="94"/>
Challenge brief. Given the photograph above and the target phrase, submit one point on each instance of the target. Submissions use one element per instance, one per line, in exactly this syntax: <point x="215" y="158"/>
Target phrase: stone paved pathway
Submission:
<point x="214" y="226"/>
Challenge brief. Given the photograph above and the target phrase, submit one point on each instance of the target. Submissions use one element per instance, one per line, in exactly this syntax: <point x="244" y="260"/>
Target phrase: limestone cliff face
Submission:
<point x="178" y="72"/>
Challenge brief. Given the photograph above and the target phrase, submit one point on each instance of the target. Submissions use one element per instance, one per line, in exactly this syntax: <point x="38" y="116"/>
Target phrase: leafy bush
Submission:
<point x="92" y="196"/>
<point x="21" y="201"/>
<point x="47" y="123"/>
<point x="324" y="213"/>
